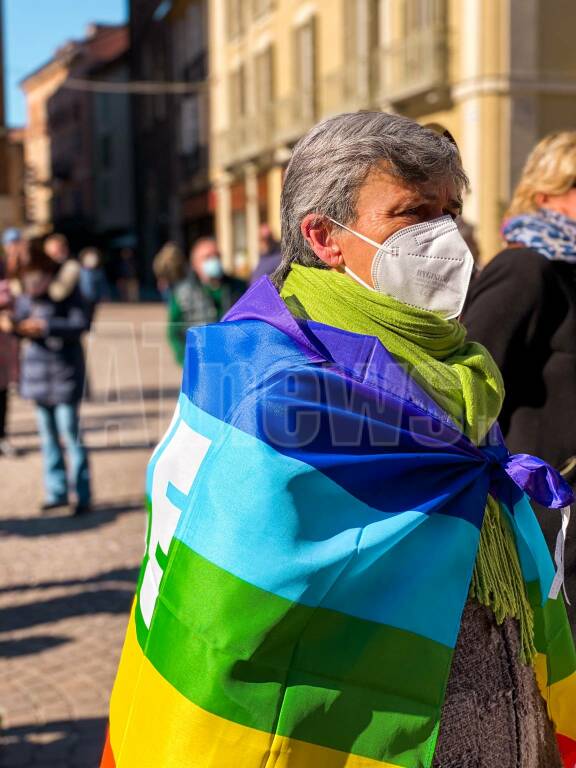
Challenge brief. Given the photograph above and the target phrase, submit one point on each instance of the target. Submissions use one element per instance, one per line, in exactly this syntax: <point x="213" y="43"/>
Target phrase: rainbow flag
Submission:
<point x="314" y="521"/>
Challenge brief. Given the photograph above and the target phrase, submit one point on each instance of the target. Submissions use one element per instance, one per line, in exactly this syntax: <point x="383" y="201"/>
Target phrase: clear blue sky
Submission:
<point x="33" y="29"/>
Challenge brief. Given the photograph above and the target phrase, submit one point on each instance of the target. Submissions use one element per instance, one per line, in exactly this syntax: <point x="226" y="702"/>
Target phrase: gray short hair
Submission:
<point x="330" y="163"/>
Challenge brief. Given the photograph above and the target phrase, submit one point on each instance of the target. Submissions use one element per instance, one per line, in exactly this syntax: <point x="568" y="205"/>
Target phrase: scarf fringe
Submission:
<point x="462" y="378"/>
<point x="497" y="581"/>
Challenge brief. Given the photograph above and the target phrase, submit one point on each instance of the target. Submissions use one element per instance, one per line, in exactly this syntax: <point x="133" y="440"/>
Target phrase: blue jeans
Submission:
<point x="58" y="423"/>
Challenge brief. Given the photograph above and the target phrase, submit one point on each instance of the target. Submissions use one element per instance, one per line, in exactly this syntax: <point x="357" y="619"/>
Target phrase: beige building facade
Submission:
<point x="11" y="164"/>
<point x="498" y="74"/>
<point x="4" y="149"/>
<point x="39" y="87"/>
<point x="15" y="214"/>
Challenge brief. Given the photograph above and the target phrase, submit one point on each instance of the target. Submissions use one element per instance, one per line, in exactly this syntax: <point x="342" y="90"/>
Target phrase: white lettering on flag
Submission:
<point x="177" y="466"/>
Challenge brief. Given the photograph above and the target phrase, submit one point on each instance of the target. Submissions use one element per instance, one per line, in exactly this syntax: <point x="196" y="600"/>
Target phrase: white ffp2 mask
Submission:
<point x="426" y="265"/>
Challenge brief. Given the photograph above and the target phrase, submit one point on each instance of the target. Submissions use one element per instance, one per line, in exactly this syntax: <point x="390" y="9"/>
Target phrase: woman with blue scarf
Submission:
<point x="522" y="307"/>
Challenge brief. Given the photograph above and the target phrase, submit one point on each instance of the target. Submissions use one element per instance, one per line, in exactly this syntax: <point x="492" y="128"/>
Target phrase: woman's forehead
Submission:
<point x="389" y="188"/>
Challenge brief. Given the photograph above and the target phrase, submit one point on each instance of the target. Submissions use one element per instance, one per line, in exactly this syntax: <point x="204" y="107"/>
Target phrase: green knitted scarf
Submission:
<point x="460" y="376"/>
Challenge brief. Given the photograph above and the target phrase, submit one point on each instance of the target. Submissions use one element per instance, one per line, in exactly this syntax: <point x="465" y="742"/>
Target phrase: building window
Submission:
<point x="265" y="93"/>
<point x="105" y="194"/>
<point x="105" y="151"/>
<point x="421" y="14"/>
<point x="305" y="71"/>
<point x="145" y="104"/>
<point x="413" y="61"/>
<point x="160" y="75"/>
<point x="262" y="7"/>
<point x="190" y="124"/>
<point x="240" y="240"/>
<point x="423" y="21"/>
<point x="189" y="44"/>
<point x="76" y="202"/>
<point x="361" y="40"/>
<point x="105" y="108"/>
<point x="195" y="30"/>
<point x="236" y="18"/>
<point x="264" y="70"/>
<point x="238" y="103"/>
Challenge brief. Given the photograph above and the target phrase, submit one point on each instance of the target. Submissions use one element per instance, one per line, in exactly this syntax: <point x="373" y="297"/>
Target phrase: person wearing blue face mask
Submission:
<point x="203" y="296"/>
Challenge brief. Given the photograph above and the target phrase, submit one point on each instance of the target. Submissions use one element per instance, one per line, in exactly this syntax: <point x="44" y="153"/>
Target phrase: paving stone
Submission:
<point x="66" y="584"/>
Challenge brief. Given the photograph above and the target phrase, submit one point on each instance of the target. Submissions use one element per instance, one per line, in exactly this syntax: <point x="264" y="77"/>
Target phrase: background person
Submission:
<point x="203" y="296"/>
<point x="522" y="307"/>
<point x="52" y="375"/>
<point x="468" y="232"/>
<point x="92" y="280"/>
<point x="270" y="255"/>
<point x="127" y="281"/>
<point x="169" y="267"/>
<point x="93" y="288"/>
<point x="8" y="353"/>
<point x="16" y="253"/>
<point x="67" y="270"/>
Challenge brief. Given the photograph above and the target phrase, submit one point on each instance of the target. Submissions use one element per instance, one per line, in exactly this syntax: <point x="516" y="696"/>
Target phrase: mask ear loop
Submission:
<point x="373" y="243"/>
<point x="348" y="271"/>
<point x="358" y="279"/>
<point x="353" y="232"/>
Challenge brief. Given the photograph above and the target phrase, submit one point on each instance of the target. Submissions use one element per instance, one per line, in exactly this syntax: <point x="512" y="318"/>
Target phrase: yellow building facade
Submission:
<point x="499" y="74"/>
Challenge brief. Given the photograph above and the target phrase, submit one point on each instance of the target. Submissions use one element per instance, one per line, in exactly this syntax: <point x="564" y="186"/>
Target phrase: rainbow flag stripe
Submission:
<point x="312" y="534"/>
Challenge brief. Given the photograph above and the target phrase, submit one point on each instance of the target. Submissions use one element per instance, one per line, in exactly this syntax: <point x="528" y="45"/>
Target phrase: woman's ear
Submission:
<point x="317" y="231"/>
<point x="541" y="199"/>
<point x="561" y="203"/>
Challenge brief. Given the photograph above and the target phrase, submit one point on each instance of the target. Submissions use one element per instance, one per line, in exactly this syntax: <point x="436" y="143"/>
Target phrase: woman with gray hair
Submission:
<point x="355" y="187"/>
<point x="355" y="577"/>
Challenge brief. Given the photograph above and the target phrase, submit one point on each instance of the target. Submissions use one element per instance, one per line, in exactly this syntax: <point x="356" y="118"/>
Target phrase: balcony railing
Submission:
<point x="413" y="66"/>
<point x="349" y="89"/>
<point x="295" y="115"/>
<point x="399" y="72"/>
<point x="249" y="136"/>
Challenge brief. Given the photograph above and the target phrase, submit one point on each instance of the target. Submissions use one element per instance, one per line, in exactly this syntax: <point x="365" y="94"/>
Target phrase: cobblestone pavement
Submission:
<point x="66" y="584"/>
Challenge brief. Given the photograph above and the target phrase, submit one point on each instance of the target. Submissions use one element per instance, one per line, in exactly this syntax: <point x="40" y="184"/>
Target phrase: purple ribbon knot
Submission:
<point x="544" y="484"/>
<point x="535" y="477"/>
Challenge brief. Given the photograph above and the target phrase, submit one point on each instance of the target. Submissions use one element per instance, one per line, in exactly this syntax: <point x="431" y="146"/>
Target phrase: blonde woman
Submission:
<point x="523" y="308"/>
<point x="169" y="267"/>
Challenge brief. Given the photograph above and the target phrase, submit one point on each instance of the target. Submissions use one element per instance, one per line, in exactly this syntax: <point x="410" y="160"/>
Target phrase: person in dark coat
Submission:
<point x="203" y="296"/>
<point x="11" y="242"/>
<point x="270" y="255"/>
<point x="52" y="375"/>
<point x="522" y="307"/>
